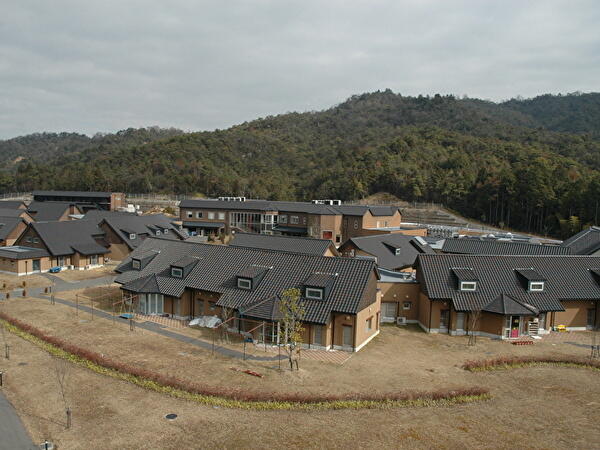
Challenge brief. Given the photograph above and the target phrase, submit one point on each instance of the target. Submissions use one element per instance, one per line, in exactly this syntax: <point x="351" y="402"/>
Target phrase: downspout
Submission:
<point x="355" y="333"/>
<point x="332" y="331"/>
<point x="449" y="319"/>
<point x="430" y="308"/>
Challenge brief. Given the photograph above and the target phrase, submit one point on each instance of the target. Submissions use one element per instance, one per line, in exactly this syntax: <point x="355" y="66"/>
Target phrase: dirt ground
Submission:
<point x="15" y="282"/>
<point x="77" y="275"/>
<point x="532" y="407"/>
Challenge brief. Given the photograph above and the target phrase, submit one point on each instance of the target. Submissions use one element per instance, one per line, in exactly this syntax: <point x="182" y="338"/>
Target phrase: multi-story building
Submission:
<point x="323" y="219"/>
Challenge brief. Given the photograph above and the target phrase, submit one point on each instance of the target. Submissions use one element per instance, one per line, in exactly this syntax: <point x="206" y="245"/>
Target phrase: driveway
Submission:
<point x="12" y="433"/>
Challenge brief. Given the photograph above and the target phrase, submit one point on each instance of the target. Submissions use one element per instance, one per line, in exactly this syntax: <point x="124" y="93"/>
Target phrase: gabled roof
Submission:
<point x="7" y="225"/>
<point x="308" y="246"/>
<point x="464" y="274"/>
<point x="218" y="266"/>
<point x="507" y="305"/>
<point x="585" y="242"/>
<point x="379" y="246"/>
<point x="481" y="246"/>
<point x="48" y="211"/>
<point x="567" y="278"/>
<point x="61" y="237"/>
<point x="73" y="193"/>
<point x="126" y="224"/>
<point x="290" y="207"/>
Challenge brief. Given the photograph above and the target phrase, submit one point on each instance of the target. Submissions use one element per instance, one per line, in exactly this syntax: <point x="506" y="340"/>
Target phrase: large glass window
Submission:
<point x="252" y="222"/>
<point x="151" y="304"/>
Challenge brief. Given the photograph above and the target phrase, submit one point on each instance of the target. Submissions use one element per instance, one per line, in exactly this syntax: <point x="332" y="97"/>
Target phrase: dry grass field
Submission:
<point x="538" y="407"/>
<point x="15" y="282"/>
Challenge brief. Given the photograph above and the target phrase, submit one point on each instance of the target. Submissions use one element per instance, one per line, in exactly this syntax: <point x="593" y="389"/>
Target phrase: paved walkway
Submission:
<point x="13" y="435"/>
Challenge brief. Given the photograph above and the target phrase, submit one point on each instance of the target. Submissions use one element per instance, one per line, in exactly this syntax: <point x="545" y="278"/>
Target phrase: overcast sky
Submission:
<point x="198" y="65"/>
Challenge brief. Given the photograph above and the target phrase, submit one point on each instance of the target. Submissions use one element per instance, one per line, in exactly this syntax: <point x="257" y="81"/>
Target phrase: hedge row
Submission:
<point x="509" y="362"/>
<point x="233" y="397"/>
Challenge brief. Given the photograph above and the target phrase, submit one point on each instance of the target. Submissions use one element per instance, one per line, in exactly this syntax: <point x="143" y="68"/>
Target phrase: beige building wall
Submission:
<point x="574" y="315"/>
<point x="399" y="293"/>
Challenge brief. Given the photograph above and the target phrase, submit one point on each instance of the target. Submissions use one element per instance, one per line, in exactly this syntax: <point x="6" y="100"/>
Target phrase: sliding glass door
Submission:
<point x="152" y="304"/>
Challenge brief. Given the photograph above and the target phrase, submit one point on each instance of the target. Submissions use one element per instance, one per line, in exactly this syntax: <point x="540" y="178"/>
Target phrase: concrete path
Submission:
<point x="13" y="435"/>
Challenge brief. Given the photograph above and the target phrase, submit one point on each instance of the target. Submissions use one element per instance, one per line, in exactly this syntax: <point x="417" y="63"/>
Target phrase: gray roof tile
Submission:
<point x="481" y="246"/>
<point x="308" y="246"/>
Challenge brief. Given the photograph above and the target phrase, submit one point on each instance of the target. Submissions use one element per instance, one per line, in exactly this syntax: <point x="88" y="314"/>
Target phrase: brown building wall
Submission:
<point x="399" y="293"/>
<point x="117" y="200"/>
<point x="575" y="314"/>
<point x="30" y="235"/>
<point x="118" y="248"/>
<point x="371" y="221"/>
<point x="490" y="323"/>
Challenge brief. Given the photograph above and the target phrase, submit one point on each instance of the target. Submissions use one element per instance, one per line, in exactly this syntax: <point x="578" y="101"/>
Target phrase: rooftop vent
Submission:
<point x="232" y="199"/>
<point x="327" y="202"/>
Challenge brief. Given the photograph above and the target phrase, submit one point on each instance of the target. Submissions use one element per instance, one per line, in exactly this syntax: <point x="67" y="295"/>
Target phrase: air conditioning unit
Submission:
<point x="337" y="202"/>
<point x="400" y="320"/>
<point x="87" y="267"/>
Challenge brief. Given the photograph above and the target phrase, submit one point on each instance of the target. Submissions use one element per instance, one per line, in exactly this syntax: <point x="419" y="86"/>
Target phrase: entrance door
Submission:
<point x="388" y="312"/>
<point x="347" y="335"/>
<point x="515" y="326"/>
<point x="444" y="316"/>
<point x="460" y="321"/>
<point x="35" y="265"/>
<point x="591" y="319"/>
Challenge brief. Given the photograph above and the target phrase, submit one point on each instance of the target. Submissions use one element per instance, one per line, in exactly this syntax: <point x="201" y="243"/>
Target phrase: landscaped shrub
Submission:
<point x="234" y="397"/>
<point x="508" y="362"/>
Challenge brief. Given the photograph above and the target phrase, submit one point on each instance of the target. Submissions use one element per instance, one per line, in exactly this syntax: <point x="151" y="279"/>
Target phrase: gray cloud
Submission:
<point x="198" y="65"/>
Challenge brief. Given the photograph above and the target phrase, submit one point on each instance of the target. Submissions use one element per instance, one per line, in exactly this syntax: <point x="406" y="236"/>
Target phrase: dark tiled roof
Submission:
<point x="90" y="248"/>
<point x="73" y="193"/>
<point x="202" y="224"/>
<point x="290" y="207"/>
<point x="47" y="211"/>
<point x="506" y="305"/>
<point x="478" y="246"/>
<point x="382" y="247"/>
<point x="464" y="274"/>
<point x="308" y="246"/>
<point x="21" y="252"/>
<point x="11" y="212"/>
<point x="218" y="266"/>
<point x="530" y="274"/>
<point x="320" y="279"/>
<point x="585" y="242"/>
<point x="7" y="225"/>
<point x="61" y="237"/>
<point x="126" y="224"/>
<point x="567" y="278"/>
<point x="11" y="204"/>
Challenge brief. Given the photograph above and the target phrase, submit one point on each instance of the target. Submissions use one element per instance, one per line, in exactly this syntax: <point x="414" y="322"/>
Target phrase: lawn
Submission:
<point x="532" y="407"/>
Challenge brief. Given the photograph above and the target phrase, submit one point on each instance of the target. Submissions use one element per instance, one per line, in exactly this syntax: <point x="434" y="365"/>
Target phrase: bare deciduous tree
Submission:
<point x="474" y="317"/>
<point x="292" y="313"/>
<point x="61" y="370"/>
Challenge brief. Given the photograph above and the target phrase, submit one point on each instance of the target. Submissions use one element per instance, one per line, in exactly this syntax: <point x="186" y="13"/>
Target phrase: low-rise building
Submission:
<point x="11" y="228"/>
<point x="586" y="242"/>
<point x="110" y="201"/>
<point x="185" y="280"/>
<point x="486" y="246"/>
<point x="54" y="211"/>
<point x="75" y="244"/>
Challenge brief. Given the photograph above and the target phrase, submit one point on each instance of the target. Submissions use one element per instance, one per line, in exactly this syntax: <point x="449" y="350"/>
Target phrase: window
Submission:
<point x="283" y="219"/>
<point x="28" y="239"/>
<point x="211" y="216"/>
<point x="166" y="231"/>
<point x="190" y="214"/>
<point x="294" y="219"/>
<point x="158" y="232"/>
<point x="36" y="240"/>
<point x="132" y="236"/>
<point x="94" y="259"/>
<point x="199" y="215"/>
<point x="135" y="263"/>
<point x="177" y="272"/>
<point x="304" y="220"/>
<point x="397" y="251"/>
<point x="221" y="216"/>
<point x="406" y="305"/>
<point x="536" y="286"/>
<point x="338" y="238"/>
<point x="244" y="283"/>
<point x="313" y="293"/>
<point x="151" y="304"/>
<point x="61" y="261"/>
<point x="369" y="323"/>
<point x="468" y="286"/>
<point x="356" y="224"/>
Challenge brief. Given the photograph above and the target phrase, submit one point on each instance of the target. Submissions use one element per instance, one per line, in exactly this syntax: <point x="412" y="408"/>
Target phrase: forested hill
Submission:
<point x="40" y="146"/>
<point x="507" y="164"/>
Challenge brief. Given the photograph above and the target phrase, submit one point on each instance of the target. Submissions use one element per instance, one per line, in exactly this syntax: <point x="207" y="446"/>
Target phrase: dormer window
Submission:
<point x="536" y="286"/>
<point x="397" y="251"/>
<point x="136" y="264"/>
<point x="468" y="286"/>
<point x="244" y="283"/>
<point x="177" y="272"/>
<point x="132" y="236"/>
<point x="166" y="231"/>
<point x="316" y="294"/>
<point x="158" y="232"/>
